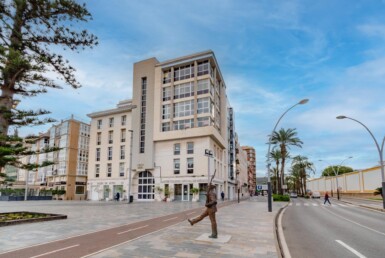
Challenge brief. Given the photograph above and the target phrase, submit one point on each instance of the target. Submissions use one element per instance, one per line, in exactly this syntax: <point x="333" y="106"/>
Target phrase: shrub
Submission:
<point x="281" y="198"/>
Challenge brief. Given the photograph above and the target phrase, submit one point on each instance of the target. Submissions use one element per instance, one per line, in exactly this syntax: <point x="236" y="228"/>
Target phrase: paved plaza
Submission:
<point x="248" y="223"/>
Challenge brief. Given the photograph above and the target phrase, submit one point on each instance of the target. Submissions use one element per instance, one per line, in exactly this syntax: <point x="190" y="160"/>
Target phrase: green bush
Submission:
<point x="281" y="198"/>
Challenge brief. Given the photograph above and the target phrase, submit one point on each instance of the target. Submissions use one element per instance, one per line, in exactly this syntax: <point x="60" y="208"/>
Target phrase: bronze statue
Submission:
<point x="211" y="209"/>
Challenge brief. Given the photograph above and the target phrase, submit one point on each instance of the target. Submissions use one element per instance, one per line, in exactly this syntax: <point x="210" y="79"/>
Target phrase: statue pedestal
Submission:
<point x="221" y="238"/>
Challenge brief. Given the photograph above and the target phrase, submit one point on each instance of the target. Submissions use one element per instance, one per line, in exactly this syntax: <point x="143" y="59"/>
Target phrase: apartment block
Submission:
<point x="251" y="161"/>
<point x="182" y="114"/>
<point x="109" y="152"/>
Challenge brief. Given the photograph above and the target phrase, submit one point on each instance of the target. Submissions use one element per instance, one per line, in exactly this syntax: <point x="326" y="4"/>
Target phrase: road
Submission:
<point x="92" y="243"/>
<point x="312" y="229"/>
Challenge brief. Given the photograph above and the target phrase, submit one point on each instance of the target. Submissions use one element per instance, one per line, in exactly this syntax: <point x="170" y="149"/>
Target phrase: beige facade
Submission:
<point x="182" y="111"/>
<point x="251" y="163"/>
<point x="109" y="152"/>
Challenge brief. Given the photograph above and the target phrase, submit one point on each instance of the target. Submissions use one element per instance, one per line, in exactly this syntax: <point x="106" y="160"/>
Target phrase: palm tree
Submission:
<point x="285" y="139"/>
<point x="295" y="180"/>
<point x="276" y="155"/>
<point x="302" y="165"/>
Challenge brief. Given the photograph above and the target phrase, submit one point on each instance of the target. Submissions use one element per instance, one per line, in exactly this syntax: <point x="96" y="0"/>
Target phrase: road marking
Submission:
<point x="297" y="204"/>
<point x="306" y="204"/>
<point x="170" y="219"/>
<point x="350" y="249"/>
<point x="290" y="204"/>
<point x="378" y="232"/>
<point x="132" y="229"/>
<point x="190" y="213"/>
<point x="55" y="251"/>
<point x="314" y="204"/>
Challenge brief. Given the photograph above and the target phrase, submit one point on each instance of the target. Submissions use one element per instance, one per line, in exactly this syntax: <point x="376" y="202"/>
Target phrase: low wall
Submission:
<point x="29" y="198"/>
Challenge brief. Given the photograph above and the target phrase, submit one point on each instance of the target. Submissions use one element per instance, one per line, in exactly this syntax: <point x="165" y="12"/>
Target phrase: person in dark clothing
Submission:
<point x="117" y="198"/>
<point x="223" y="196"/>
<point x="327" y="198"/>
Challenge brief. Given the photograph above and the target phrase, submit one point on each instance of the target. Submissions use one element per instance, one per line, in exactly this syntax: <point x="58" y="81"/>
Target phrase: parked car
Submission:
<point x="316" y="195"/>
<point x="293" y="195"/>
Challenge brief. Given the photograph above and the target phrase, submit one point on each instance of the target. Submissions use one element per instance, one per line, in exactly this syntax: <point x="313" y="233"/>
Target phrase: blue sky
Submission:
<point x="271" y="53"/>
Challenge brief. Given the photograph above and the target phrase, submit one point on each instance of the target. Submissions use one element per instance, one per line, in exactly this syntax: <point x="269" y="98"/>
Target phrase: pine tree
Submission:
<point x="29" y="29"/>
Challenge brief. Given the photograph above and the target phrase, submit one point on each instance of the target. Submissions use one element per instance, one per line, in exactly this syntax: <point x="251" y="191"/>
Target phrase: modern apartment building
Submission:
<point x="109" y="152"/>
<point x="252" y="176"/>
<point x="241" y="170"/>
<point x="182" y="113"/>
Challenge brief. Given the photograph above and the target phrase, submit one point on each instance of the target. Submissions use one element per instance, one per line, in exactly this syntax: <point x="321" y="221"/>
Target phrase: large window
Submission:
<point x="143" y="116"/>
<point x="183" y="72"/>
<point x="166" y="93"/>
<point x="145" y="186"/>
<point x="99" y="124"/>
<point x="176" y="148"/>
<point x="123" y="120"/>
<point x="184" y="90"/>
<point x="79" y="189"/>
<point x="166" y="76"/>
<point x="185" y="108"/>
<point x="122" y="152"/>
<point x="98" y="138"/>
<point x="166" y="127"/>
<point x="109" y="169"/>
<point x="123" y="135"/>
<point x="203" y="67"/>
<point x="111" y="121"/>
<point x="110" y="137"/>
<point x="121" y="169"/>
<point x="204" y="121"/>
<point x="166" y="110"/>
<point x="176" y="166"/>
<point x="190" y="165"/>
<point x="183" y="124"/>
<point x="97" y="154"/>
<point x="109" y="154"/>
<point x="203" y="105"/>
<point x="97" y="170"/>
<point x="203" y="86"/>
<point x="190" y="148"/>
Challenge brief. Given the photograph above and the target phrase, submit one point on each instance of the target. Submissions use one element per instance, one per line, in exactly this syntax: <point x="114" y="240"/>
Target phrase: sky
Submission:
<point x="272" y="54"/>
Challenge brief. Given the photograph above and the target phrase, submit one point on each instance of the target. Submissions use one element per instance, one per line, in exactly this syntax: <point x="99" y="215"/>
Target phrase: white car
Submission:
<point x="316" y="195"/>
<point x="293" y="195"/>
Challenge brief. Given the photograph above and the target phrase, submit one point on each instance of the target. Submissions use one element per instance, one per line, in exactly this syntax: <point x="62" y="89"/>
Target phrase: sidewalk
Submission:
<point x="365" y="203"/>
<point x="248" y="223"/>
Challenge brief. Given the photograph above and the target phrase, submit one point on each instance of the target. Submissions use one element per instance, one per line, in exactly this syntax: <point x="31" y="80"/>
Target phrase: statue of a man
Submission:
<point x="211" y="209"/>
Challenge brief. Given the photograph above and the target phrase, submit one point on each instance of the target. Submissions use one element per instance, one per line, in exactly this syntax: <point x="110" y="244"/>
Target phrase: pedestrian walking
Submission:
<point x="117" y="197"/>
<point x="223" y="196"/>
<point x="327" y="198"/>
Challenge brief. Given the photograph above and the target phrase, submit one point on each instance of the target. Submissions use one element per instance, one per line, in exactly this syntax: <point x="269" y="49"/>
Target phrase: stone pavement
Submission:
<point x="248" y="223"/>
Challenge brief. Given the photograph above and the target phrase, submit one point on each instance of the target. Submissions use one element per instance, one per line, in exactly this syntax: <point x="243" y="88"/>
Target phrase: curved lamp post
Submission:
<point x="269" y="201"/>
<point x="336" y="172"/>
<point x="380" y="152"/>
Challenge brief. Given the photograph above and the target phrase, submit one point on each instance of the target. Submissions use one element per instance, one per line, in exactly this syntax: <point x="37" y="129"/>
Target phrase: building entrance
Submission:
<point x="145" y="186"/>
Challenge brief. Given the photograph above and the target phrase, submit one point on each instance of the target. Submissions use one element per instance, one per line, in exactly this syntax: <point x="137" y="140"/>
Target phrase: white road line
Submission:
<point x="132" y="229"/>
<point x="190" y="213"/>
<point x="170" y="219"/>
<point x="342" y="205"/>
<point x="314" y="204"/>
<point x="55" y="251"/>
<point x="306" y="204"/>
<point x="298" y="204"/>
<point x="350" y="249"/>
<point x="335" y="214"/>
<point x="291" y="204"/>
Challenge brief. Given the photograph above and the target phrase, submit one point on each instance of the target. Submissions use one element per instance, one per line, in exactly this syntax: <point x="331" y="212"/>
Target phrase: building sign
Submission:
<point x="262" y="187"/>
<point x="140" y="166"/>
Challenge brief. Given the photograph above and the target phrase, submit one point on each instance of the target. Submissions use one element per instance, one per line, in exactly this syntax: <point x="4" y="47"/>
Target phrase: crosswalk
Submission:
<point x="317" y="204"/>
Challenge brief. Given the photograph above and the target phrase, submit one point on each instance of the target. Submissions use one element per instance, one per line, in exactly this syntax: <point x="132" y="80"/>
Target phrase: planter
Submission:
<point x="44" y="217"/>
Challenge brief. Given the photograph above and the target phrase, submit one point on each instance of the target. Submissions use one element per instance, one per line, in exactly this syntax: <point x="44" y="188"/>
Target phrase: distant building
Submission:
<point x="251" y="164"/>
<point x="109" y="152"/>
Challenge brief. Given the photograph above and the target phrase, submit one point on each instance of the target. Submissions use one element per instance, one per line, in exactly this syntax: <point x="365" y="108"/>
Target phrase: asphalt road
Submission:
<point x="340" y="230"/>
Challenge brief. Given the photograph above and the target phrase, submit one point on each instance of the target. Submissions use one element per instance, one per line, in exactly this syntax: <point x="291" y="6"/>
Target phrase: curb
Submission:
<point x="282" y="249"/>
<point x="364" y="206"/>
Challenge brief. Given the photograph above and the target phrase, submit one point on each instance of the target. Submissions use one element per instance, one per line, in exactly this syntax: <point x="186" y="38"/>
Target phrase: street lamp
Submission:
<point x="380" y="153"/>
<point x="269" y="201"/>
<point x="130" y="165"/>
<point x="336" y="172"/>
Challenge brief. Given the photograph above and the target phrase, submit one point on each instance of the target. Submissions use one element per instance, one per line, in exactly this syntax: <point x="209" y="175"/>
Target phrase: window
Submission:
<point x="203" y="67"/>
<point x="176" y="166"/>
<point x="203" y="86"/>
<point x="184" y="90"/>
<point x="122" y="152"/>
<point x="110" y="137"/>
<point x="190" y="165"/>
<point x="185" y="108"/>
<point x="145" y="186"/>
<point x="143" y="116"/>
<point x="109" y="169"/>
<point x="176" y="148"/>
<point x="183" y="124"/>
<point x="98" y="138"/>
<point x="203" y="121"/>
<point x="166" y="110"/>
<point x="99" y="124"/>
<point x="165" y="127"/>
<point x="111" y="123"/>
<point x="203" y="105"/>
<point x="97" y="154"/>
<point x="166" y="93"/>
<point x="190" y="148"/>
<point x="166" y="76"/>
<point x="79" y="189"/>
<point x="123" y="120"/>
<point x="123" y="135"/>
<point x="121" y="169"/>
<point x="109" y="153"/>
<point x="97" y="170"/>
<point x="183" y="72"/>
